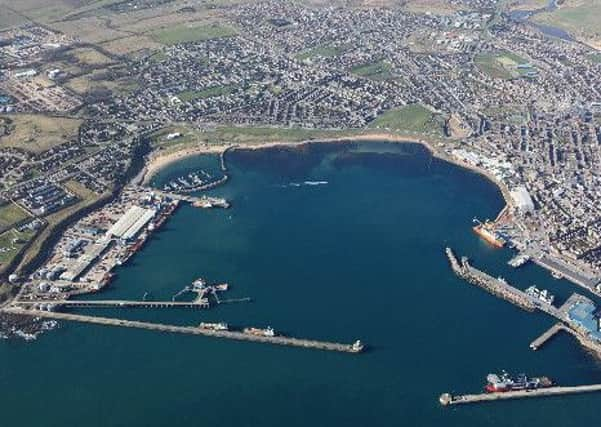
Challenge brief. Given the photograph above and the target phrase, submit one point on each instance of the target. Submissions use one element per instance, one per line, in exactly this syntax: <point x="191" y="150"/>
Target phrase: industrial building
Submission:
<point x="131" y="222"/>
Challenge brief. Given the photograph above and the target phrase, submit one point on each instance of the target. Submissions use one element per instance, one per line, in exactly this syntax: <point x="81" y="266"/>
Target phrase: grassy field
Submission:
<point x="186" y="33"/>
<point x="11" y="214"/>
<point x="258" y="135"/>
<point x="438" y="7"/>
<point x="582" y="18"/>
<point x="38" y="133"/>
<point x="595" y="57"/>
<point x="376" y="71"/>
<point x="527" y="4"/>
<point x="9" y="19"/>
<point x="91" y="56"/>
<point x="244" y="135"/>
<point x="411" y="118"/>
<point x="190" y="95"/>
<point x="79" y="190"/>
<point x="11" y="243"/>
<point x="501" y="66"/>
<point x="93" y="81"/>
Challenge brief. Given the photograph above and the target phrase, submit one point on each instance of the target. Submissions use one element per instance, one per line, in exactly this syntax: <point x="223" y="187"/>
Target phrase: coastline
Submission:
<point x="441" y="150"/>
<point x="157" y="161"/>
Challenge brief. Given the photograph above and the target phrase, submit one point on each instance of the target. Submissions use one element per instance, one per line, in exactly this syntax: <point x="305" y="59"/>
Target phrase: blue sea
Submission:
<point x="331" y="241"/>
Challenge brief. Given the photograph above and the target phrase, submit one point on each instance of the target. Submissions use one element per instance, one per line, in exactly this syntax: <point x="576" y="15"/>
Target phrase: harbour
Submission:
<point x="302" y="247"/>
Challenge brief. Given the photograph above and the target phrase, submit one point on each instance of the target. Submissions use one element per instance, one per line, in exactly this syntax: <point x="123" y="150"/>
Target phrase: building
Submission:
<point x="522" y="200"/>
<point x="131" y="222"/>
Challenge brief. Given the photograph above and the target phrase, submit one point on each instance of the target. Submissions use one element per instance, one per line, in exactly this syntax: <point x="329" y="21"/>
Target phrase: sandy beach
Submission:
<point x="158" y="160"/>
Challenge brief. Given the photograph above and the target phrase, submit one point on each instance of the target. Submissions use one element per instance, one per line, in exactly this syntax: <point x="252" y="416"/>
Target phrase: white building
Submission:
<point x="131" y="222"/>
<point x="522" y="200"/>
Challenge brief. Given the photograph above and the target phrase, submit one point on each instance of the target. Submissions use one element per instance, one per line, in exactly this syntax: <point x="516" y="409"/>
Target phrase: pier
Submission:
<point x="202" y="201"/>
<point x="448" y="399"/>
<point x="502" y="289"/>
<point x="196" y="304"/>
<point x="547" y="335"/>
<point x="496" y="286"/>
<point x="192" y="330"/>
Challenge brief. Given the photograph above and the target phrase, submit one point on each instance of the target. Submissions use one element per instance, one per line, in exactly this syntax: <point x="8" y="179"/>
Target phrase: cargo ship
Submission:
<point x="267" y="332"/>
<point x="486" y="231"/>
<point x="504" y="382"/>
<point x="214" y="326"/>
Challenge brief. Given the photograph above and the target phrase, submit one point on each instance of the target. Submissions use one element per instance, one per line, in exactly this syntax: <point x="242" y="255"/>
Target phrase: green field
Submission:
<point x="376" y="71"/>
<point x="595" y="57"/>
<point x="9" y="19"/>
<point x="412" y="118"/>
<point x="185" y="33"/>
<point x="501" y="66"/>
<point x="580" y="17"/>
<point x="242" y="135"/>
<point x="11" y="214"/>
<point x="158" y="56"/>
<point x="11" y="243"/>
<point x="190" y="95"/>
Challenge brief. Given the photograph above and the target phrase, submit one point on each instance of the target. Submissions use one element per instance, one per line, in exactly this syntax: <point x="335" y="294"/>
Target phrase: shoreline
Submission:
<point x="158" y="161"/>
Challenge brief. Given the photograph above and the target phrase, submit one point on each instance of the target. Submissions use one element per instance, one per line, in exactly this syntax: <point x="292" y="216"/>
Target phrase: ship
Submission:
<point x="267" y="332"/>
<point x="486" y="231"/>
<point x="357" y="347"/>
<point x="222" y="287"/>
<point x="540" y="294"/>
<point x="504" y="382"/>
<point x="518" y="260"/>
<point x="214" y="326"/>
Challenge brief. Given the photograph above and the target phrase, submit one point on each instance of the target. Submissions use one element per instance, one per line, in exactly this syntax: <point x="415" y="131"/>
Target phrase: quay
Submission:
<point x="197" y="304"/>
<point x="547" y="335"/>
<point x="496" y="286"/>
<point x="505" y="291"/>
<point x="191" y="330"/>
<point x="202" y="201"/>
<point x="449" y="399"/>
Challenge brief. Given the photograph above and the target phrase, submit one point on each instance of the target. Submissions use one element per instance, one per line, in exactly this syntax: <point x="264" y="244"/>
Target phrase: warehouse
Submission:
<point x="131" y="222"/>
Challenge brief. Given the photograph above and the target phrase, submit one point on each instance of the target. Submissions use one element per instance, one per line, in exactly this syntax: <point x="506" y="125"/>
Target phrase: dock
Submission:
<point x="547" y="335"/>
<point x="192" y="330"/>
<point x="504" y="290"/>
<point x="496" y="286"/>
<point x="202" y="201"/>
<point x="449" y="399"/>
<point x="196" y="304"/>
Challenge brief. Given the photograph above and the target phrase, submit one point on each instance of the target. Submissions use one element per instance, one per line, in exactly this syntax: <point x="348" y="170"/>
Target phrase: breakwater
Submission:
<point x="449" y="399"/>
<point x="355" y="348"/>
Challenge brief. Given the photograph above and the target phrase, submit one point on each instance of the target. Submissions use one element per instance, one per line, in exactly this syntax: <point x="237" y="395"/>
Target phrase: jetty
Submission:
<point x="355" y="348"/>
<point x="199" y="303"/>
<point x="547" y="335"/>
<point x="201" y="202"/>
<point x="504" y="290"/>
<point x="496" y="286"/>
<point x="447" y="399"/>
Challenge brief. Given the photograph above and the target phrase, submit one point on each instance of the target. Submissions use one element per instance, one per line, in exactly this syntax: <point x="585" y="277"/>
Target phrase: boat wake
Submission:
<point x="304" y="184"/>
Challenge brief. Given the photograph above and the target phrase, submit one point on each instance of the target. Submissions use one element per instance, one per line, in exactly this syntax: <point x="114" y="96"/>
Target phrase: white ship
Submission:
<point x="540" y="294"/>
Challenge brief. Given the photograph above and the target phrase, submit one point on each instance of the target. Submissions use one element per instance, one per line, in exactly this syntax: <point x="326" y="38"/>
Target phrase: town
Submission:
<point x="482" y="87"/>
